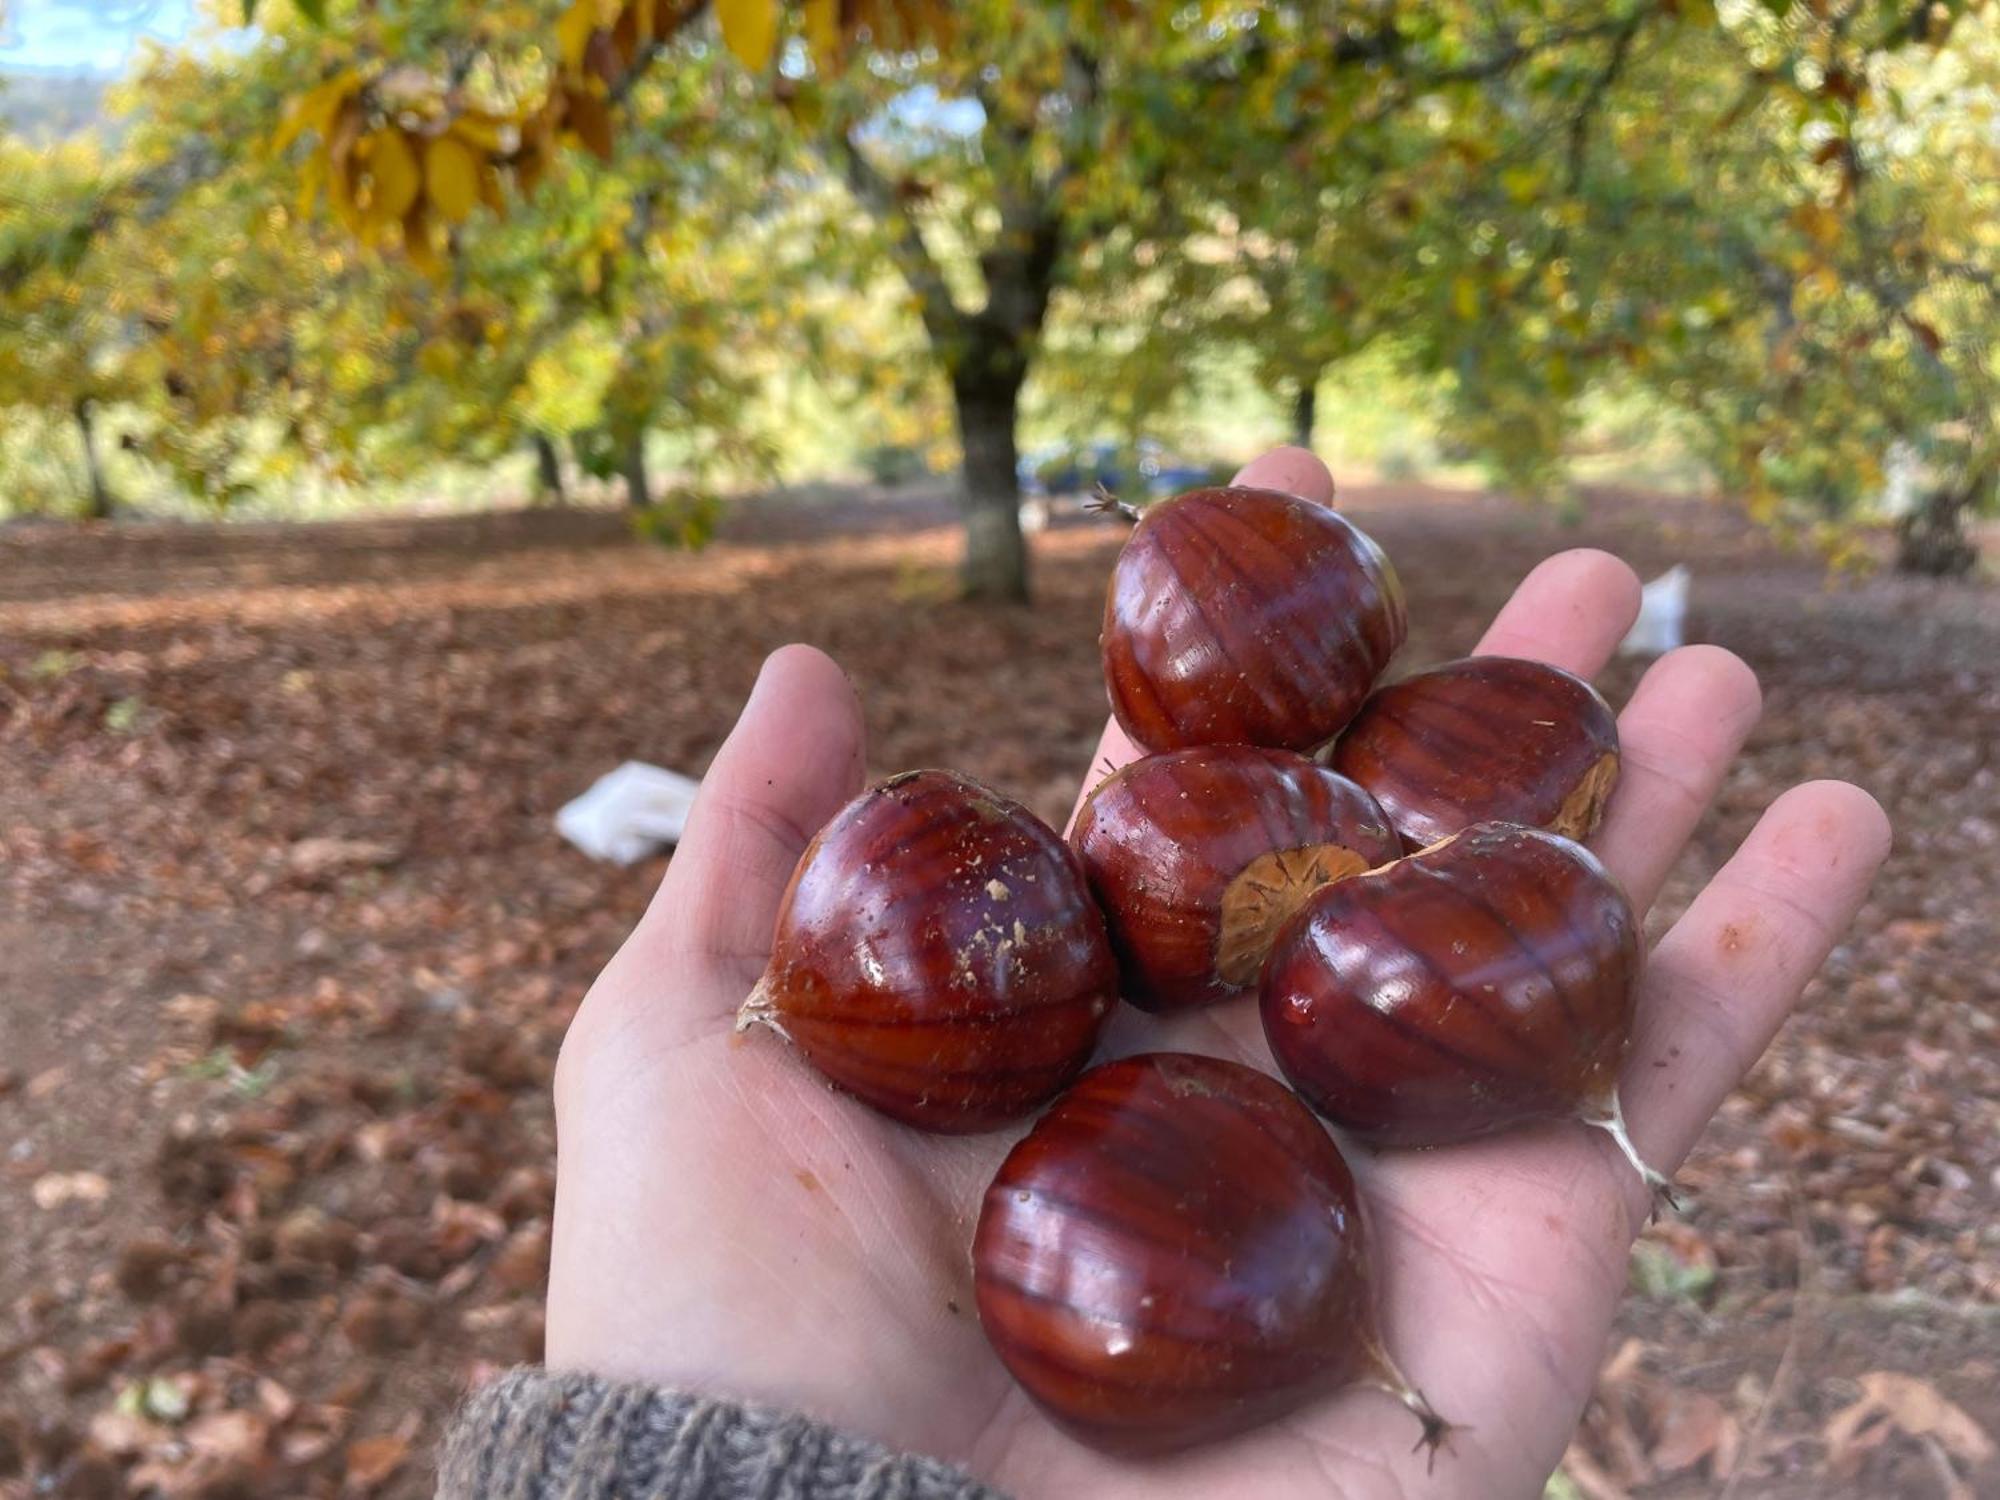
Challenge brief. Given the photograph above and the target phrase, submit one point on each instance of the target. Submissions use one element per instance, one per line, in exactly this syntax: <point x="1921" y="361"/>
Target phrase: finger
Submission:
<point x="1685" y="722"/>
<point x="1721" y="983"/>
<point x="1571" y="612"/>
<point x="1296" y="471"/>
<point x="793" y="759"/>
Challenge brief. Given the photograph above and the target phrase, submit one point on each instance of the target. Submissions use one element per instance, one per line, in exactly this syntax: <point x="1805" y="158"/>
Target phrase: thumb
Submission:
<point x="794" y="757"/>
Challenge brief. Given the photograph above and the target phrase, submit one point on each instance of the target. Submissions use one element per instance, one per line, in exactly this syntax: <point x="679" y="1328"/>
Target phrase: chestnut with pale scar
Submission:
<point x="1198" y="856"/>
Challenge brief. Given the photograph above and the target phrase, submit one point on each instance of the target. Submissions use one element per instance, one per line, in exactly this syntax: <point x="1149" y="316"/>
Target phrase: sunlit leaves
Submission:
<point x="597" y="50"/>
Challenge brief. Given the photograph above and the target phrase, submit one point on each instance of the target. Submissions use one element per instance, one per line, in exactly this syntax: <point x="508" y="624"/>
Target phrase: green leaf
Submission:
<point x="1658" y="1272"/>
<point x="313" y="10"/>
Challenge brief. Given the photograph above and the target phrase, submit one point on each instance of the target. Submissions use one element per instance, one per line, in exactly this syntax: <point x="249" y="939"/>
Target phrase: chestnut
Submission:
<point x="1175" y="1253"/>
<point x="1487" y="982"/>
<point x="1485" y="739"/>
<point x="938" y="956"/>
<point x="1246" y="616"/>
<point x="1198" y="856"/>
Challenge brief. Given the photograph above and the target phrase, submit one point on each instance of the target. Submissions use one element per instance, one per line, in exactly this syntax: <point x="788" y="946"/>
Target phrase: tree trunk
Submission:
<point x="1305" y="408"/>
<point x="101" y="504"/>
<point x="638" y="493"/>
<point x="548" y="471"/>
<point x="986" y="391"/>
<point x="1933" y="540"/>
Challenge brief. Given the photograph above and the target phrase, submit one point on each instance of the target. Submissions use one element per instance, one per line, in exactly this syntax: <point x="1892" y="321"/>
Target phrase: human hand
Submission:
<point x="727" y="1223"/>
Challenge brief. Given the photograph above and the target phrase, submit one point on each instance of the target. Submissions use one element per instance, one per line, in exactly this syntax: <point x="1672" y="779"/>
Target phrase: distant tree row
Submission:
<point x="375" y="236"/>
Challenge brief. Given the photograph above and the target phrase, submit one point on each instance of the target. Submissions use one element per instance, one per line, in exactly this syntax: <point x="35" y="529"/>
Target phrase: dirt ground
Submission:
<point x="287" y="943"/>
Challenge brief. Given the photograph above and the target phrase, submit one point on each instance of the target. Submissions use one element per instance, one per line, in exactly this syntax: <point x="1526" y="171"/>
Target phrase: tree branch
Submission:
<point x="942" y="316"/>
<point x="1593" y="96"/>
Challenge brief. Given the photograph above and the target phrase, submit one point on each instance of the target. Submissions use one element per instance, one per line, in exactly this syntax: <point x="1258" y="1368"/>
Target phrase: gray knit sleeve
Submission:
<point x="543" y="1435"/>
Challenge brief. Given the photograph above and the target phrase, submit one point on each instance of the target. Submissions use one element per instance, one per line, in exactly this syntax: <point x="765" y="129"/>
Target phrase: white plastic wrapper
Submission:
<point x="1662" y="618"/>
<point x="628" y="813"/>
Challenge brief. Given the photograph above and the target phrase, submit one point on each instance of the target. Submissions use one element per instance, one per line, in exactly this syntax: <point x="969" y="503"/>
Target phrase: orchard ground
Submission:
<point x="290" y="941"/>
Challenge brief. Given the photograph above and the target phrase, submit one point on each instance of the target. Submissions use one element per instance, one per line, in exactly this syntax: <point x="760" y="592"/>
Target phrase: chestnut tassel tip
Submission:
<point x="1103" y="503"/>
<point x="1436" y="1431"/>
<point x="758" y="1010"/>
<point x="1388" y="1377"/>
<point x="1612" y="1123"/>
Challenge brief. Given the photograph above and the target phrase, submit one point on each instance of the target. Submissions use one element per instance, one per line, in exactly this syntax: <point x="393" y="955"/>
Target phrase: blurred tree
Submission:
<point x="64" y="347"/>
<point x="1778" y="219"/>
<point x="995" y="149"/>
<point x="176" y="286"/>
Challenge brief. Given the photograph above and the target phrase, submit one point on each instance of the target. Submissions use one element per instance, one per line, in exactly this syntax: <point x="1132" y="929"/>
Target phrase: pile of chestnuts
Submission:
<point x="1175" y="1251"/>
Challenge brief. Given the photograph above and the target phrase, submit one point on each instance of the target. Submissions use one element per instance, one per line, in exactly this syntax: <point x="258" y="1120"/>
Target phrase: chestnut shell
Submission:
<point x="938" y="956"/>
<point x="1486" y="982"/>
<point x="1484" y="739"/>
<point x="1246" y="616"/>
<point x="1173" y="1254"/>
<point x="1198" y="856"/>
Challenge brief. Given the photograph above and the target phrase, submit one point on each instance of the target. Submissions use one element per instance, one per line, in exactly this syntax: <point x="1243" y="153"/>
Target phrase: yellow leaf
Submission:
<point x="342" y="151"/>
<point x="1521" y="183"/>
<point x="491" y="134"/>
<point x="529" y="166"/>
<point x="1822" y="282"/>
<point x="312" y="177"/>
<point x="1465" y="297"/>
<point x="417" y="244"/>
<point x="1822" y="225"/>
<point x="490" y="192"/>
<point x="823" y="31"/>
<point x="393" y="167"/>
<point x="451" y="177"/>
<point x="591" y="121"/>
<point x="573" y="31"/>
<point x="750" y="27"/>
<point x="315" y="109"/>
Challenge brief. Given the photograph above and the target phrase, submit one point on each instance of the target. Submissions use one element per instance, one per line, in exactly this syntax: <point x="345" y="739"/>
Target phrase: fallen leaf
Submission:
<point x="1582" y="1471"/>
<point x="196" y="1012"/>
<point x="1623" y="1365"/>
<point x="120" y="1431"/>
<point x="1920" y="1409"/>
<point x="318" y="858"/>
<point x="231" y="1435"/>
<point x="1688" y="1426"/>
<point x="54" y="1189"/>
<point x="278" y="1403"/>
<point x="372" y="1461"/>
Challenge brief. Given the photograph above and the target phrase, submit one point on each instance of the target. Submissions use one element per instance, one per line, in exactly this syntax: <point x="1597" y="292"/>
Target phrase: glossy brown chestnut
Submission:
<point x="938" y="956"/>
<point x="1198" y="856"/>
<point x="1246" y="616"/>
<point x="1484" y="983"/>
<point x="1486" y="739"/>
<point x="1175" y="1253"/>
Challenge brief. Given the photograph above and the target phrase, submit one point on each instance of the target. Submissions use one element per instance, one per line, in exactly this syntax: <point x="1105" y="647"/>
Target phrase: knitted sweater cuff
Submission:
<point x="543" y="1435"/>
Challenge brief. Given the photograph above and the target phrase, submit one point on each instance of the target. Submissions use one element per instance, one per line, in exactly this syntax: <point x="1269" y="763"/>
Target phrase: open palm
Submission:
<point x="727" y="1223"/>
